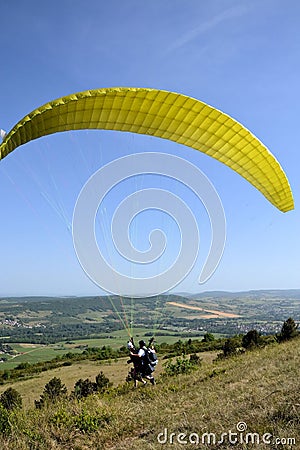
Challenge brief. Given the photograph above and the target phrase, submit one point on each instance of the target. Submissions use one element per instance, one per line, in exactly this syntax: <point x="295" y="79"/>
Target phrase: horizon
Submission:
<point x="179" y="294"/>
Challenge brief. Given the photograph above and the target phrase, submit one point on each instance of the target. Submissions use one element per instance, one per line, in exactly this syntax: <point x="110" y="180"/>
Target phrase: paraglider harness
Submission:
<point x="149" y="360"/>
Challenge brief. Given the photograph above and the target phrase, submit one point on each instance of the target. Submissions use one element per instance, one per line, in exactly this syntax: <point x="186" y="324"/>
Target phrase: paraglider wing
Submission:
<point x="2" y="134"/>
<point x="163" y="114"/>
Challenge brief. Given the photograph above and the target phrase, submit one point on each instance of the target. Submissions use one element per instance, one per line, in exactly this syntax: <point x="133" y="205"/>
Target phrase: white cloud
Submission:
<point x="208" y="25"/>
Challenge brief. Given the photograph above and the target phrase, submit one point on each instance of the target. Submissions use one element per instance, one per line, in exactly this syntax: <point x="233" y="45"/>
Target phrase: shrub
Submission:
<point x="5" y="427"/>
<point x="229" y="348"/>
<point x="53" y="391"/>
<point x="67" y="363"/>
<point x="180" y="366"/>
<point x="84" y="421"/>
<point x="208" y="337"/>
<point x="6" y="375"/>
<point x="83" y="388"/>
<point x="62" y="418"/>
<point x="195" y="359"/>
<point x="251" y="339"/>
<point x="11" y="399"/>
<point x="23" y="366"/>
<point x="289" y="330"/>
<point x="87" y="423"/>
<point x="102" y="382"/>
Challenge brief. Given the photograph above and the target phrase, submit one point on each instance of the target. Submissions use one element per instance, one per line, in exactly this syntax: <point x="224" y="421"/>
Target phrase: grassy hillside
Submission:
<point x="260" y="388"/>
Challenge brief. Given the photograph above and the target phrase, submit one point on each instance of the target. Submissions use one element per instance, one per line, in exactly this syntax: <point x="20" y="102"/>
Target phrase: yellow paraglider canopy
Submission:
<point x="167" y="115"/>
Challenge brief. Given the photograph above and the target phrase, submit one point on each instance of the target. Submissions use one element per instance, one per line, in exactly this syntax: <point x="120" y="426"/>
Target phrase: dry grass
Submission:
<point x="261" y="388"/>
<point x="32" y="388"/>
<point x="116" y="371"/>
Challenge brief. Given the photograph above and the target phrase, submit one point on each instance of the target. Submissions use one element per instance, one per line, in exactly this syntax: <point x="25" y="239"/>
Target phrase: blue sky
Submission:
<point x="241" y="57"/>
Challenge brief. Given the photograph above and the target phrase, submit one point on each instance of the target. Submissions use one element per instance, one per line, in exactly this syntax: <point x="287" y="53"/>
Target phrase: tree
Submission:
<point x="83" y="388"/>
<point x="208" y="337"/>
<point x="289" y="330"/>
<point x="251" y="339"/>
<point x="53" y="390"/>
<point x="179" y="348"/>
<point x="22" y="366"/>
<point x="11" y="399"/>
<point x="229" y="348"/>
<point x="102" y="382"/>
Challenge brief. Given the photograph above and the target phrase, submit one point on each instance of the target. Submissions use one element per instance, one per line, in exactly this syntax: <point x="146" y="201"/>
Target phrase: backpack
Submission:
<point x="152" y="356"/>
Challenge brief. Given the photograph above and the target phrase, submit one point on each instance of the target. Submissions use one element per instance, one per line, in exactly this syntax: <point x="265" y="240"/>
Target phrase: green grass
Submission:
<point x="33" y="353"/>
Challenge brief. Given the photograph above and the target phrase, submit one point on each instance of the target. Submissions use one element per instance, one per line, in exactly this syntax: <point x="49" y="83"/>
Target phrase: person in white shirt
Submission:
<point x="145" y="366"/>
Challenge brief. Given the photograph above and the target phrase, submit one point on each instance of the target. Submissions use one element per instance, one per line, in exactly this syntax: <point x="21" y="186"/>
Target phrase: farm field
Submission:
<point x="33" y="353"/>
<point x="41" y="328"/>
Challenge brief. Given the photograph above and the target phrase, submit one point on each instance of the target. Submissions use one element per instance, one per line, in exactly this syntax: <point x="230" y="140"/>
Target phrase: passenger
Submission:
<point x="145" y="365"/>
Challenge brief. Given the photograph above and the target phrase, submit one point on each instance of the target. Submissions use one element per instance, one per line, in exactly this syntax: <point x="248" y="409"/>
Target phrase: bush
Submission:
<point x="180" y="366"/>
<point x="195" y="359"/>
<point x="62" y="418"/>
<point x="84" y="421"/>
<point x="251" y="339"/>
<point x="67" y="364"/>
<point x="11" y="399"/>
<point x="5" y="427"/>
<point x="23" y="366"/>
<point x="53" y="391"/>
<point x="102" y="382"/>
<point x="87" y="423"/>
<point x="83" y="388"/>
<point x="208" y="337"/>
<point x="289" y="330"/>
<point x="229" y="348"/>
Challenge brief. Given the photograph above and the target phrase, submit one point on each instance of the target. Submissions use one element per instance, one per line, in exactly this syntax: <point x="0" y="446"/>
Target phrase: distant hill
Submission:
<point x="52" y="319"/>
<point x="271" y="293"/>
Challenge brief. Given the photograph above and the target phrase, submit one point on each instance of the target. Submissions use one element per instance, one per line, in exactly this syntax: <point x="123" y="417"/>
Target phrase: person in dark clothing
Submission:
<point x="145" y="366"/>
<point x="135" y="373"/>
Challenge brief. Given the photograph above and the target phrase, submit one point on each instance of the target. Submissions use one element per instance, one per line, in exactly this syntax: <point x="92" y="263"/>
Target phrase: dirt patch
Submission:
<point x="211" y="313"/>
